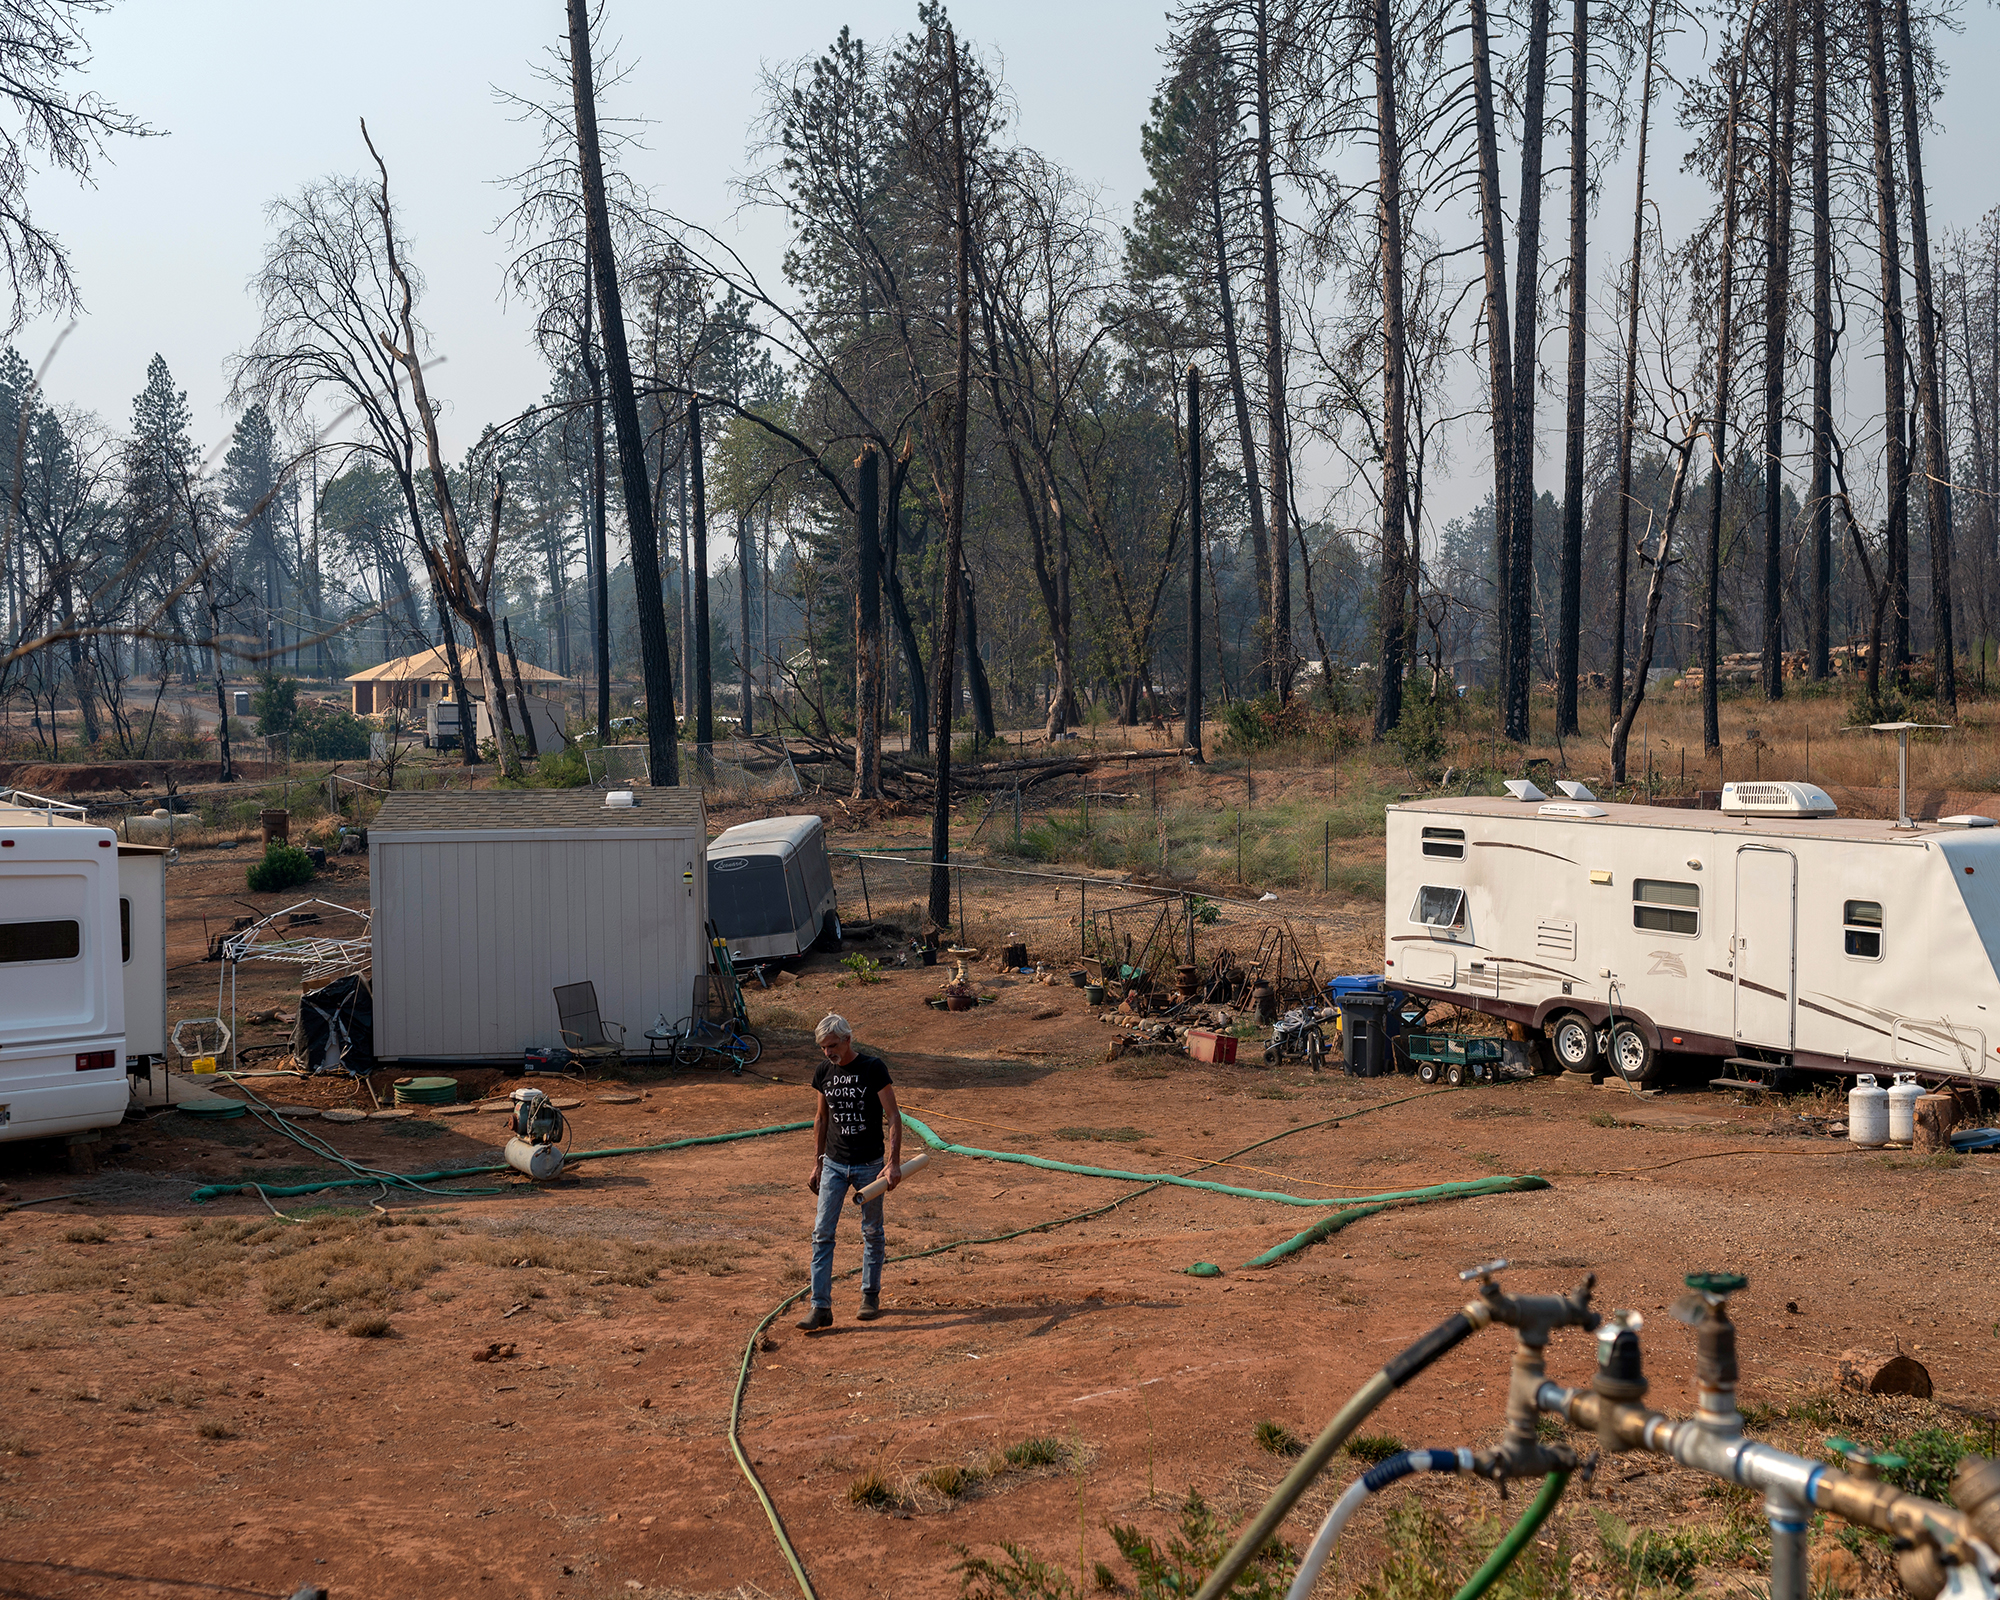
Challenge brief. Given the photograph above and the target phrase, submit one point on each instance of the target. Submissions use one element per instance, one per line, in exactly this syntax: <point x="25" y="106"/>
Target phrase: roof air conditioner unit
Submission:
<point x="1965" y="819"/>
<point x="1522" y="789"/>
<point x="1570" y="808"/>
<point x="1776" y="800"/>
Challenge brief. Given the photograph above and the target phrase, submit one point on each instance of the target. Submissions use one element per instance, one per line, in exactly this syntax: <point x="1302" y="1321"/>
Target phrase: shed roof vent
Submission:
<point x="621" y="799"/>
<point x="1522" y="789"/>
<point x="1965" y="819"/>
<point x="1776" y="800"/>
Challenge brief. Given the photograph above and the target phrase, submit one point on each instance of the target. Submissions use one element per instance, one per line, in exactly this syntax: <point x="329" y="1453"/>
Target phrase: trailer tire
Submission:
<point x="1454" y="1075"/>
<point x="1631" y="1056"/>
<point x="1427" y="1072"/>
<point x="1573" y="1042"/>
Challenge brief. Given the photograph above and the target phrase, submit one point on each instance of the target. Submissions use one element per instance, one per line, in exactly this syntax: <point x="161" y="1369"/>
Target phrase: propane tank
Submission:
<point x="1903" y="1097"/>
<point x="1867" y="1112"/>
<point x="538" y="1130"/>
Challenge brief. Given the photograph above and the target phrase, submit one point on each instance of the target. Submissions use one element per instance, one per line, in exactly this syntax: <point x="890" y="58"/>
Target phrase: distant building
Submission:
<point x="413" y="682"/>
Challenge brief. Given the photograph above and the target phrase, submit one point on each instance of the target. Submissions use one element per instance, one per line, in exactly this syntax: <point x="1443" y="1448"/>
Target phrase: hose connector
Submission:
<point x="1620" y="1378"/>
<point x="1706" y="1309"/>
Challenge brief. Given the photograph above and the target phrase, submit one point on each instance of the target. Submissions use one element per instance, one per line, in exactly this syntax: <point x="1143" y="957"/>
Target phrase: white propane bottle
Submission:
<point x="1903" y="1097"/>
<point x="1867" y="1112"/>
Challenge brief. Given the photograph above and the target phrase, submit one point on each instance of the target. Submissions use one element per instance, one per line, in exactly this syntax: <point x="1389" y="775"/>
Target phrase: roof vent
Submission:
<point x="1776" y="800"/>
<point x="620" y="800"/>
<point x="1570" y="808"/>
<point x="1965" y="819"/>
<point x="1521" y="789"/>
<point x="1575" y="791"/>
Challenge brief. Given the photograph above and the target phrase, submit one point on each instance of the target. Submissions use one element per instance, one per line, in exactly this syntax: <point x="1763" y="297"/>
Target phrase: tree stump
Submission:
<point x="1936" y="1116"/>
<point x="1880" y="1372"/>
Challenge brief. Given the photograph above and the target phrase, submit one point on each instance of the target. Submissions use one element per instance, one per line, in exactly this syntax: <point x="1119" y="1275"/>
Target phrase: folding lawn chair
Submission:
<point x="582" y="1029"/>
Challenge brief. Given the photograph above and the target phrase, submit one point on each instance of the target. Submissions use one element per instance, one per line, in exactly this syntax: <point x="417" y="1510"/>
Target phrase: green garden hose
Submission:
<point x="1517" y="1538"/>
<point x="1416" y="1197"/>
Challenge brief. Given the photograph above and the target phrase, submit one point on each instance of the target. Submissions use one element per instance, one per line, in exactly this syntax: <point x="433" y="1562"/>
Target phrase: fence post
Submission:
<point x="866" y="908"/>
<point x="961" y="903"/>
<point x="1239" y="846"/>
<point x="1325" y="851"/>
<point x="1082" y="910"/>
<point x="1017" y="815"/>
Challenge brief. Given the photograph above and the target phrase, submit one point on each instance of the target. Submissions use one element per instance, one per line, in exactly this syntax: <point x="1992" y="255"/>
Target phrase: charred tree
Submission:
<point x="1527" y="272"/>
<point x="1778" y="132"/>
<point x="1394" y="590"/>
<point x="1725" y="342"/>
<point x="1569" y="625"/>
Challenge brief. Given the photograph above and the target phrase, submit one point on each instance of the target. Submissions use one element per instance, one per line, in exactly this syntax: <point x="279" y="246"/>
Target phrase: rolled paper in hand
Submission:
<point x="881" y="1184"/>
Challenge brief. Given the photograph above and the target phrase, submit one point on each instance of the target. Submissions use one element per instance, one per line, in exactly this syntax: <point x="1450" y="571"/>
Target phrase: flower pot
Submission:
<point x="959" y="1002"/>
<point x="1093" y="994"/>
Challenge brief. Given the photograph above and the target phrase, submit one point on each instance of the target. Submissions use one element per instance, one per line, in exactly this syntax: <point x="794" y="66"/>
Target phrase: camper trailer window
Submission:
<point x="1661" y="907"/>
<point x="40" y="941"/>
<point x="1863" y="920"/>
<point x="1446" y="842"/>
<point x="1439" y="908"/>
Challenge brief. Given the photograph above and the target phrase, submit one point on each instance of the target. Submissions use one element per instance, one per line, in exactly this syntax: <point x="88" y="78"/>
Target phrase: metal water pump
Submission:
<point x="538" y="1133"/>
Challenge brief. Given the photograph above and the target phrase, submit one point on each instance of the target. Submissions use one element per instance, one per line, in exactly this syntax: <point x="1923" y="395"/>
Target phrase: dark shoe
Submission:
<point x="815" y="1319"/>
<point x="871" y="1308"/>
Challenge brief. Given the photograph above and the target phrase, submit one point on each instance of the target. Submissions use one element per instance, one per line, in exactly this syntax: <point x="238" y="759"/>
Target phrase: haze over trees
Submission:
<point x="930" y="474"/>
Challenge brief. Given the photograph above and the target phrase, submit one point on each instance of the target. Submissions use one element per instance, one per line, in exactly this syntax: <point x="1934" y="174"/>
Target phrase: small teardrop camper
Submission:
<point x="770" y="888"/>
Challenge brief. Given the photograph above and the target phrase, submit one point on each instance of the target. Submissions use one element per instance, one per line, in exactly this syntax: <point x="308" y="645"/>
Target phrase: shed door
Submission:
<point x="1766" y="948"/>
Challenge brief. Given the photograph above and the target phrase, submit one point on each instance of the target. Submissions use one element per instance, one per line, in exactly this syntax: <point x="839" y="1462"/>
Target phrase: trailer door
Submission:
<point x="1766" y="949"/>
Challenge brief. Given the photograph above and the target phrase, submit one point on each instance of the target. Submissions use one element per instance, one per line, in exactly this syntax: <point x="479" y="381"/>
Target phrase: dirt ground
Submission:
<point x="205" y="1400"/>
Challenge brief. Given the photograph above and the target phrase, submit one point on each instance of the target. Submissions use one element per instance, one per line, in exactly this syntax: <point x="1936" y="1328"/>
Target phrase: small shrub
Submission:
<point x="1373" y="1447"/>
<point x="367" y="1327"/>
<point x="90" y="1233"/>
<point x="866" y="969"/>
<point x="871" y="1489"/>
<point x="284" y="867"/>
<point x="214" y="1430"/>
<point x="325" y="733"/>
<point x="951" y="1482"/>
<point x="1045" y="1451"/>
<point x="1930" y="1456"/>
<point x="1277" y="1439"/>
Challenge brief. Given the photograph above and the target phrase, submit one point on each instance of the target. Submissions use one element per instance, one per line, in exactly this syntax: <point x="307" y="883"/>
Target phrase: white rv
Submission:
<point x="82" y="970"/>
<point x="770" y="888"/>
<point x="1771" y="933"/>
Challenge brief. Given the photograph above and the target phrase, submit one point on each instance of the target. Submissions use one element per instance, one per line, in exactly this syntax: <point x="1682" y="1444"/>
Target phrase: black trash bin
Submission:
<point x="1364" y="1029"/>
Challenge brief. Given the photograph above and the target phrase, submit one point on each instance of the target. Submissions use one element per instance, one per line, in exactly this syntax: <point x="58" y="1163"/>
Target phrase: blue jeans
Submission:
<point x="834" y="1182"/>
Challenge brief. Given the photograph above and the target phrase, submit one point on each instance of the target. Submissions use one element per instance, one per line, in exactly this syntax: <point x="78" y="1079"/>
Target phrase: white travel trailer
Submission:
<point x="82" y="970"/>
<point x="1772" y="933"/>
<point x="770" y="888"/>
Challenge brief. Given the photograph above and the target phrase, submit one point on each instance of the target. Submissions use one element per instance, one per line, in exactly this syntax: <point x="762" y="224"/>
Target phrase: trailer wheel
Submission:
<point x="1630" y="1054"/>
<point x="1427" y="1072"/>
<point x="1574" y="1042"/>
<point x="1454" y="1075"/>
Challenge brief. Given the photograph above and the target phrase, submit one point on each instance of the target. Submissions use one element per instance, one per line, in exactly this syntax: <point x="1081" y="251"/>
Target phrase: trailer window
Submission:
<point x="1661" y="907"/>
<point x="40" y="941"/>
<point x="1446" y="842"/>
<point x="1862" y="926"/>
<point x="125" y="928"/>
<point x="1439" y="908"/>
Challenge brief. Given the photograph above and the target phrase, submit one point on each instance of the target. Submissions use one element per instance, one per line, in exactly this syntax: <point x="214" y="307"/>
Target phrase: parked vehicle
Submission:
<point x="1301" y="1031"/>
<point x="1771" y="935"/>
<point x="82" y="970"/>
<point x="770" y="888"/>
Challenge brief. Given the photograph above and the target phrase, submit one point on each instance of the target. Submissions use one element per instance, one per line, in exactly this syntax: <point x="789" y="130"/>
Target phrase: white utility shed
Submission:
<point x="485" y="902"/>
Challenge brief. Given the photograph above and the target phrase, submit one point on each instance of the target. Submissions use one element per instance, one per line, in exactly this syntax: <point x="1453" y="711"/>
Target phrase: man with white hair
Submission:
<point x="856" y="1103"/>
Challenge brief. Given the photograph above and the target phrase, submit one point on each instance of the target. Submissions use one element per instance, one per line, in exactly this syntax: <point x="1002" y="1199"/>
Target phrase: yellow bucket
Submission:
<point x="202" y="1064"/>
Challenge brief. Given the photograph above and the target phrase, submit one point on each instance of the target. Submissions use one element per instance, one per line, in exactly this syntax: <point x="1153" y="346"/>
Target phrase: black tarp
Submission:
<point x="336" y="1028"/>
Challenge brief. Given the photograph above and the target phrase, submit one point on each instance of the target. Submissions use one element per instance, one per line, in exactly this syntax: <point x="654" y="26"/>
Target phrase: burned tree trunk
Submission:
<point x="868" y="651"/>
<point x="1725" y="339"/>
<point x="1896" y="557"/>
<point x="1394" y="591"/>
<point x="1569" y="625"/>
<point x="1499" y="340"/>
<point x="1527" y="271"/>
<point x="1777" y="306"/>
<point x="1820" y="517"/>
<point x="1628" y="414"/>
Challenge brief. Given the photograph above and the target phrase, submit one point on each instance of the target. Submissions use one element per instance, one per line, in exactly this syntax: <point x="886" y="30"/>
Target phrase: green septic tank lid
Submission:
<point x="1204" y="1269"/>
<point x="1716" y="1282"/>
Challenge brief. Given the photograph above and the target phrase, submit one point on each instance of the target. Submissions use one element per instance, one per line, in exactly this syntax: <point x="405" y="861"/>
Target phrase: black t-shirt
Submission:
<point x="853" y="1108"/>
